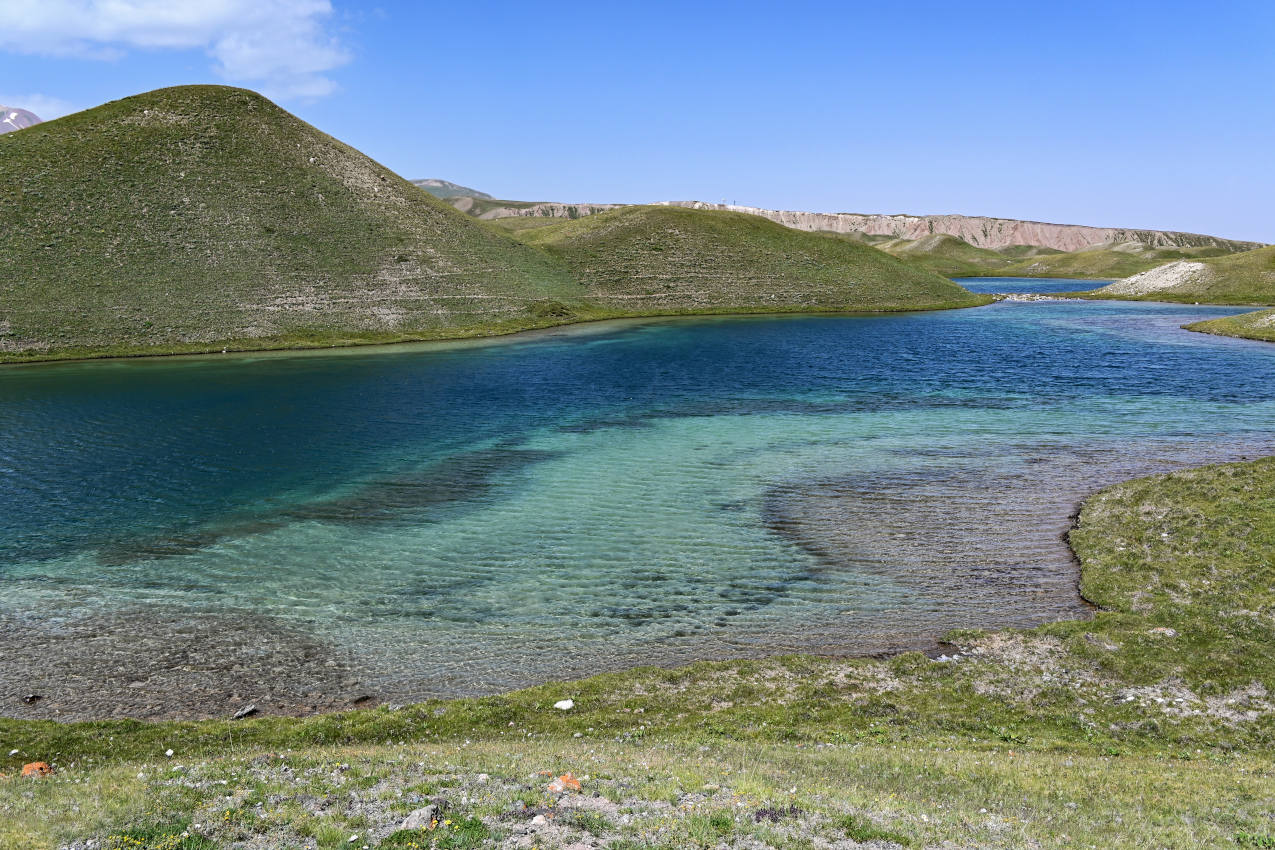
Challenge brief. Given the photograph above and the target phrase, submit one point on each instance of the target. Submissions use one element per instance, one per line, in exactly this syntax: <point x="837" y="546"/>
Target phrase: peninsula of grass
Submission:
<point x="1150" y="725"/>
<point x="1258" y="325"/>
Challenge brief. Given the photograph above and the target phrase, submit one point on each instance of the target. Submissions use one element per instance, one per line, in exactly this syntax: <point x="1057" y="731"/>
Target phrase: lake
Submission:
<point x="308" y="529"/>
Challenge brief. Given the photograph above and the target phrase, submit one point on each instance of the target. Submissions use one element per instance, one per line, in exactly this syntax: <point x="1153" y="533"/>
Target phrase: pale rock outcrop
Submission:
<point x="543" y="209"/>
<point x="1168" y="276"/>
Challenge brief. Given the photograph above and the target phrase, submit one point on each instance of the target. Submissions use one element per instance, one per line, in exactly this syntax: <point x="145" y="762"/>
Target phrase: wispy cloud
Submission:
<point x="282" y="47"/>
<point x="43" y="105"/>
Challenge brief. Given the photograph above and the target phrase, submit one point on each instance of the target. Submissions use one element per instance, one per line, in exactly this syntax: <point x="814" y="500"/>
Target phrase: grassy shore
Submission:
<point x="1259" y="325"/>
<point x="1151" y="724"/>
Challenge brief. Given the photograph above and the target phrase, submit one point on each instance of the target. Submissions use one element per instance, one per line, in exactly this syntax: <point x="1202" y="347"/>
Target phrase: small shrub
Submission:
<point x="170" y="837"/>
<point x="591" y="822"/>
<point x="862" y="829"/>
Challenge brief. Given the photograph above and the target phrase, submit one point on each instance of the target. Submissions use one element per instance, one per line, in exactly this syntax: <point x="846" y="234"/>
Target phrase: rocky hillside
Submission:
<point x="648" y="259"/>
<point x="202" y="217"/>
<point x="979" y="231"/>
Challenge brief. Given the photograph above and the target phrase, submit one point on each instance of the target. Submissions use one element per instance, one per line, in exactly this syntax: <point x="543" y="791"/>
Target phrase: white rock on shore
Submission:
<point x="1168" y="276"/>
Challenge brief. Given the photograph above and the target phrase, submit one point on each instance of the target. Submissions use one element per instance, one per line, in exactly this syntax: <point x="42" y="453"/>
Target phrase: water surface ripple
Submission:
<point x="458" y="520"/>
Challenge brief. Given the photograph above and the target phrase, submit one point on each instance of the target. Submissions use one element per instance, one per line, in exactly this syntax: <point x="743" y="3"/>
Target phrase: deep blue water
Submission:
<point x="1038" y="285"/>
<point x="469" y="518"/>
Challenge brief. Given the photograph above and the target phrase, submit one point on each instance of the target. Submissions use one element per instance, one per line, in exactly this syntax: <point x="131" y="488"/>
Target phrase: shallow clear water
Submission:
<point x="467" y="519"/>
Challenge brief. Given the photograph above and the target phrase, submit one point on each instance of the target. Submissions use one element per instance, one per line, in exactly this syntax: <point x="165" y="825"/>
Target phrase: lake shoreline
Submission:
<point x="1159" y="691"/>
<point x="489" y="335"/>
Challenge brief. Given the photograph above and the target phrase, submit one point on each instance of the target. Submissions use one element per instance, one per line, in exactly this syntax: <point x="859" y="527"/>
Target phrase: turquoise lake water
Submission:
<point x="471" y="518"/>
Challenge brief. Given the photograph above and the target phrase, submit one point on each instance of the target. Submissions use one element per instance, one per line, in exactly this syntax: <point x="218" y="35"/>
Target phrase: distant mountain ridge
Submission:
<point x="12" y="118"/>
<point x="981" y="231"/>
<point x="447" y="190"/>
<point x="995" y="234"/>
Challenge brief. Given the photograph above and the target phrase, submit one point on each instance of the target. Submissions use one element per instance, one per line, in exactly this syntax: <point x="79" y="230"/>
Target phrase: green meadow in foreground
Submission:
<point x="1150" y="725"/>
<point x="199" y="218"/>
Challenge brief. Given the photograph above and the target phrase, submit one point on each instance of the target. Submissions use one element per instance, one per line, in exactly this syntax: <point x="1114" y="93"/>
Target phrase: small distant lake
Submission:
<point x="469" y="519"/>
<point x="1033" y="285"/>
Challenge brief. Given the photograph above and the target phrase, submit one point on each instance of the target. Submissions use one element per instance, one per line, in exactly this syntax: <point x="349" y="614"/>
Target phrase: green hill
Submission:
<point x="203" y="217"/>
<point x="646" y="259"/>
<point x="947" y="255"/>
<point x="1244" y="278"/>
<point x="1104" y="263"/>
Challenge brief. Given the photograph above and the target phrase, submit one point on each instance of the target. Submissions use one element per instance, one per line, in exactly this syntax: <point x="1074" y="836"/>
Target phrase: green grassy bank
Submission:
<point x="1259" y="325"/>
<point x="1152" y="724"/>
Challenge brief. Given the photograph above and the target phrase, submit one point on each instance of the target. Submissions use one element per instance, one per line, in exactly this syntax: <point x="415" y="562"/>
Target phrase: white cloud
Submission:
<point x="43" y="105"/>
<point x="280" y="46"/>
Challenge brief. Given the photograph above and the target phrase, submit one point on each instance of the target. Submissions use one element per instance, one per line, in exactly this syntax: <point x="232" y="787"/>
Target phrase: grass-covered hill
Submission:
<point x="1244" y="278"/>
<point x="1110" y="261"/>
<point x="1150" y="725"/>
<point x="646" y="259"/>
<point x="202" y="217"/>
<point x="950" y="256"/>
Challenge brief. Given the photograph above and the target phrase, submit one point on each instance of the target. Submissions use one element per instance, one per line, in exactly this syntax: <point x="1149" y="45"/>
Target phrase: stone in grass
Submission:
<point x="565" y="782"/>
<point x="1164" y="631"/>
<point x="565" y="704"/>
<point x="423" y="818"/>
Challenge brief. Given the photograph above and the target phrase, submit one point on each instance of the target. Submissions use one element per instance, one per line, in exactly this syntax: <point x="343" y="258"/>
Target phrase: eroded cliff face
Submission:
<point x="534" y="209"/>
<point x="994" y="233"/>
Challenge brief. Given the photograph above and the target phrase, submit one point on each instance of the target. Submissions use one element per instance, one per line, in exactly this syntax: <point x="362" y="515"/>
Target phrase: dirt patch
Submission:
<point x="166" y="665"/>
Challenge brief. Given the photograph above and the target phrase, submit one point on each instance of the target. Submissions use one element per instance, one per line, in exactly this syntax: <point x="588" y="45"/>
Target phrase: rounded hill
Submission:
<point x="204" y="216"/>
<point x="648" y="259"/>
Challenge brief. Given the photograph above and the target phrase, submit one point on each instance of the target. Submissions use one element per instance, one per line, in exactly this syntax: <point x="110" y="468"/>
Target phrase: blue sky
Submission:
<point x="1157" y="115"/>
